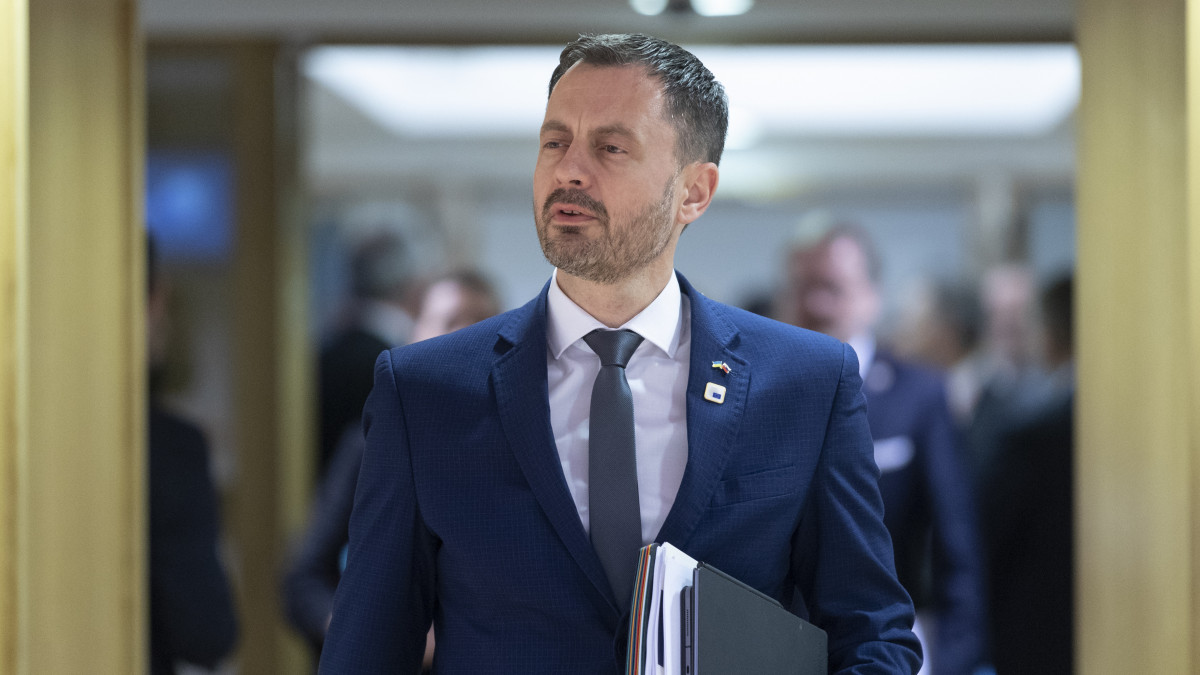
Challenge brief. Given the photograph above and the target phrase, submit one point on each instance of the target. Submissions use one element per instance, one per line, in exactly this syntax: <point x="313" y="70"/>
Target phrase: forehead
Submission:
<point x="840" y="257"/>
<point x="606" y="95"/>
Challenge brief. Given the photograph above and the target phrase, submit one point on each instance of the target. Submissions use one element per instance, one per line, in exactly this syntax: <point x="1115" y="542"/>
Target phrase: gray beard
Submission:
<point x="616" y="255"/>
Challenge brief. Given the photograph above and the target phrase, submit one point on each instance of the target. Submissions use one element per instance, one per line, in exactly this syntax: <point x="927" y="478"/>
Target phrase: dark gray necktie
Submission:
<point x="614" y="511"/>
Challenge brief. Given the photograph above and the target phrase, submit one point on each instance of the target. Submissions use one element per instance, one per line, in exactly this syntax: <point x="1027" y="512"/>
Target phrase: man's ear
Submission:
<point x="699" y="185"/>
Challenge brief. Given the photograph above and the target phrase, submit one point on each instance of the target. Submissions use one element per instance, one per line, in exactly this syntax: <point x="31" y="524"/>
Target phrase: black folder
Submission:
<point x="729" y="627"/>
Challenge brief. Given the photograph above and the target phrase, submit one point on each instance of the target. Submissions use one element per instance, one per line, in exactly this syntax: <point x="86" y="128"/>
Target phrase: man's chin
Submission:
<point x="587" y="270"/>
<point x="572" y="257"/>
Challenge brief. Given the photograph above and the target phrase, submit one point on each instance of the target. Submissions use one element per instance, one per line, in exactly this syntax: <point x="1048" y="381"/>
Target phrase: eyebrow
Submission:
<point x="615" y="130"/>
<point x="554" y="125"/>
<point x="610" y="129"/>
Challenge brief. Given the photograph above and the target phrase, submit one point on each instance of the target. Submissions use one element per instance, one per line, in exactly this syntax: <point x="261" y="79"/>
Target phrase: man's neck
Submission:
<point x="615" y="304"/>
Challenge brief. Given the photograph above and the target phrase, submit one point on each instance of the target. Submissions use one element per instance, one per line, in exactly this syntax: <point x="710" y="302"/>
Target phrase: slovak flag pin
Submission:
<point x="714" y="392"/>
<point x="722" y="366"/>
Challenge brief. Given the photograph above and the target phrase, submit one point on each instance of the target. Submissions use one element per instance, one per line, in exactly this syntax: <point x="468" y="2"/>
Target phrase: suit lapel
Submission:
<point x="519" y="377"/>
<point x="712" y="427"/>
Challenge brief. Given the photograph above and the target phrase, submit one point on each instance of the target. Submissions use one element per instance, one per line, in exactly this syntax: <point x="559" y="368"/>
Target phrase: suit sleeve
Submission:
<point x="842" y="556"/>
<point x="315" y="566"/>
<point x="956" y="562"/>
<point x="384" y="602"/>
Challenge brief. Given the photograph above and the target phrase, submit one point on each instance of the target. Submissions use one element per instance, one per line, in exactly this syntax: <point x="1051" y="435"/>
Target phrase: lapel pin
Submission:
<point x="722" y="366"/>
<point x="714" y="392"/>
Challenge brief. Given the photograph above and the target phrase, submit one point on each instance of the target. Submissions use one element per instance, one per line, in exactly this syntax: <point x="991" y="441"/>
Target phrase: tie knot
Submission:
<point x="614" y="347"/>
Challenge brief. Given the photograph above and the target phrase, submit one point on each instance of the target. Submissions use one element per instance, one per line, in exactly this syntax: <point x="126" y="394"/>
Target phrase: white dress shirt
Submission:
<point x="864" y="347"/>
<point x="657" y="374"/>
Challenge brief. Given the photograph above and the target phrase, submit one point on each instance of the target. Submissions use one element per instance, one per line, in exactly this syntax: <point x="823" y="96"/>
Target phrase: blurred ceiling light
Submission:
<point x="701" y="7"/>
<point x="745" y="130"/>
<point x="787" y="91"/>
<point x="722" y="7"/>
<point x="648" y="7"/>
<point x="909" y="90"/>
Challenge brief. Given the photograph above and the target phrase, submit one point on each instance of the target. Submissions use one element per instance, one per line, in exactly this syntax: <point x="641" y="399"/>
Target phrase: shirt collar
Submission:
<point x="660" y="323"/>
<point x="864" y="347"/>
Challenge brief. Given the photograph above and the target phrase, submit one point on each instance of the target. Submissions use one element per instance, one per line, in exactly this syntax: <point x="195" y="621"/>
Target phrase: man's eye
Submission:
<point x="611" y="149"/>
<point x="552" y="145"/>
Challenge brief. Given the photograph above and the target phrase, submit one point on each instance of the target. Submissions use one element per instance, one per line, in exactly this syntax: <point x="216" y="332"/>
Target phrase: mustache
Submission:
<point x="574" y="197"/>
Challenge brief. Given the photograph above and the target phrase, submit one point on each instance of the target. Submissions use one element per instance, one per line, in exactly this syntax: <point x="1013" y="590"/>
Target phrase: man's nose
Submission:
<point x="575" y="167"/>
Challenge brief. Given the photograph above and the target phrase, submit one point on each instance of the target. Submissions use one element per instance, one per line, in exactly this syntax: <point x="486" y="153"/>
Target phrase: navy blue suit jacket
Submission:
<point x="192" y="615"/>
<point x="929" y="507"/>
<point x="462" y="515"/>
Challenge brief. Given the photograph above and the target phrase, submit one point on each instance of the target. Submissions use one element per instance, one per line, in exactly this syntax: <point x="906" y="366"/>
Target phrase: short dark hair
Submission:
<point x="958" y="304"/>
<point x="696" y="101"/>
<point x="379" y="267"/>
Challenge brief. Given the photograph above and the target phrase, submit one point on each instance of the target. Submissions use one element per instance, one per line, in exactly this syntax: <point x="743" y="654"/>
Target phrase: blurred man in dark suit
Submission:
<point x="833" y="277"/>
<point x="1028" y="507"/>
<point x="378" y="318"/>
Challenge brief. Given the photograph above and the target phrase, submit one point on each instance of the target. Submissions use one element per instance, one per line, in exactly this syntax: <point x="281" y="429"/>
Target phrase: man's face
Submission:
<point x="831" y="289"/>
<point x="604" y="188"/>
<point x="448" y="306"/>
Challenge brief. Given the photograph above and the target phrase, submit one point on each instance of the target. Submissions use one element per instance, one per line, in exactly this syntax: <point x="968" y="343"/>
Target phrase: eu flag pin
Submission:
<point x="714" y="392"/>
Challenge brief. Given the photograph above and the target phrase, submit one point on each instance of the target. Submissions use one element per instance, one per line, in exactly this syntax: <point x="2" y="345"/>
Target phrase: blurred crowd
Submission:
<point x="969" y="398"/>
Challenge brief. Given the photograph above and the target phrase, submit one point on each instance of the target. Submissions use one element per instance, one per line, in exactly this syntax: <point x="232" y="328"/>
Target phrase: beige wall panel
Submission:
<point x="1136" y="491"/>
<point x="255" y="493"/>
<point x="271" y="366"/>
<point x="256" y="304"/>
<point x="84" y="507"/>
<point x="14" y="93"/>
<point x="1193" y="338"/>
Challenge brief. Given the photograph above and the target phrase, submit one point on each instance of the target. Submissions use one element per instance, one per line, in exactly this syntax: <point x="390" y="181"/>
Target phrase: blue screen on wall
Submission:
<point x="189" y="204"/>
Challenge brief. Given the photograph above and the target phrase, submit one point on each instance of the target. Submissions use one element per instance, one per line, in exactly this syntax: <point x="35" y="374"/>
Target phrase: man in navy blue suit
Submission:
<point x="473" y="509"/>
<point x="833" y="288"/>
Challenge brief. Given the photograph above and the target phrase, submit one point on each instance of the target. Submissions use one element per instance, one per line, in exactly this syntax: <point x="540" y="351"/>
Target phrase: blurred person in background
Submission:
<point x="1027" y="510"/>
<point x="378" y="318"/>
<point x="1006" y="363"/>
<point x="449" y="302"/>
<point x="941" y="326"/>
<point x="1009" y="295"/>
<point x="983" y="337"/>
<point x="832" y="282"/>
<point x="192" y="617"/>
